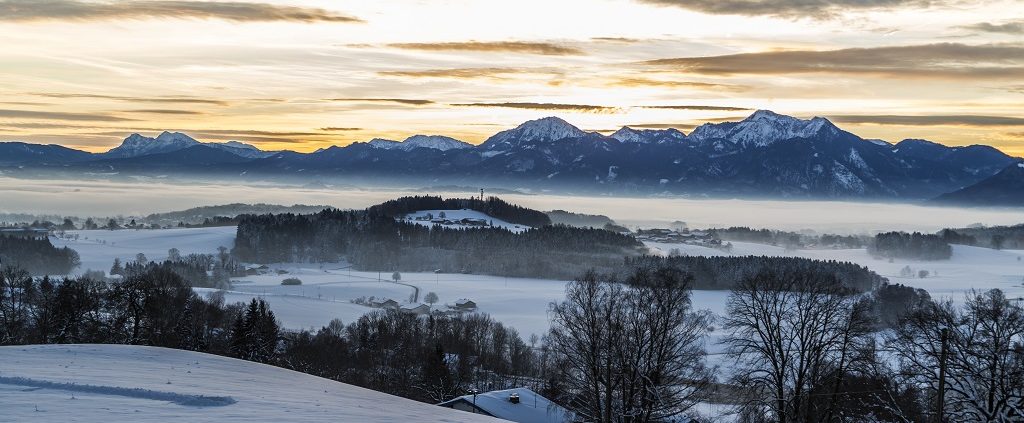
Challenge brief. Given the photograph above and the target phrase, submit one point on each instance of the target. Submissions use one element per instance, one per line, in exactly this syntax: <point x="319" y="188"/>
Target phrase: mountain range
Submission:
<point x="764" y="155"/>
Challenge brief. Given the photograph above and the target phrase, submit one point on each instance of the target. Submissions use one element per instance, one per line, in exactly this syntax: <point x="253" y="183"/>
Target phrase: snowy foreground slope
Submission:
<point x="122" y="383"/>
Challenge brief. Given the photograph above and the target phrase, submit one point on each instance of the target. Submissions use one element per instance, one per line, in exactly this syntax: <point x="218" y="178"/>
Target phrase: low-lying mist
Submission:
<point x="106" y="198"/>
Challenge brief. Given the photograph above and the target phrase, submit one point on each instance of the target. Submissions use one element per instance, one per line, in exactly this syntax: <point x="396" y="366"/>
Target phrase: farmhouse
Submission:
<point x="464" y="305"/>
<point x="417" y="309"/>
<point x="519" y="405"/>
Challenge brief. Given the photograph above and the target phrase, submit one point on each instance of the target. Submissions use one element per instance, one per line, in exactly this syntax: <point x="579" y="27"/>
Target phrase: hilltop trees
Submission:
<point x="372" y="240"/>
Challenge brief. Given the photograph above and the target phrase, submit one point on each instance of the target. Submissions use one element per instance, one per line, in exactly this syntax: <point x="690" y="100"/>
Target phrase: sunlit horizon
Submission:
<point x="304" y="75"/>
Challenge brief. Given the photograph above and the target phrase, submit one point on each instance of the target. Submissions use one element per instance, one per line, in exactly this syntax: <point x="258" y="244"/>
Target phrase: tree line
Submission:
<point x="787" y="239"/>
<point x="37" y="256"/>
<point x="725" y="272"/>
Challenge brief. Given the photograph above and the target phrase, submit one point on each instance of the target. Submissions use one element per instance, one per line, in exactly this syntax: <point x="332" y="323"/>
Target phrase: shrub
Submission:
<point x="291" y="281"/>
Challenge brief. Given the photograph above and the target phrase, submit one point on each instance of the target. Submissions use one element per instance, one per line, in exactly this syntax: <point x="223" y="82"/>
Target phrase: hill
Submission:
<point x="106" y="383"/>
<point x="1004" y="189"/>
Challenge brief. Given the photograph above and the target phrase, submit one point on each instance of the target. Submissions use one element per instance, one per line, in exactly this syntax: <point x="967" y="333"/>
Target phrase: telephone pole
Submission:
<point x="942" y="376"/>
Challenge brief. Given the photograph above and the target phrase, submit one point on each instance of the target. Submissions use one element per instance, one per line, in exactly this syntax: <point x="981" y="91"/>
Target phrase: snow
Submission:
<point x="1020" y="165"/>
<point x="630" y="135"/>
<point x="98" y="248"/>
<point x="456" y="215"/>
<point x="101" y="383"/>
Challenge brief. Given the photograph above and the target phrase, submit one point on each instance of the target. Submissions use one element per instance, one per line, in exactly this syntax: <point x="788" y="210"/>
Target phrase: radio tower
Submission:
<point x="481" y="194"/>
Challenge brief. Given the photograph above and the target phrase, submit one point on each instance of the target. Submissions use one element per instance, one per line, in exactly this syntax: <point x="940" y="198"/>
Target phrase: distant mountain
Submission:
<point x="1004" y="189"/>
<point x="764" y="128"/>
<point x="763" y="155"/>
<point x="545" y="129"/>
<point x="627" y="134"/>
<point x="19" y="153"/>
<point x="436" y="142"/>
<point x="137" y="145"/>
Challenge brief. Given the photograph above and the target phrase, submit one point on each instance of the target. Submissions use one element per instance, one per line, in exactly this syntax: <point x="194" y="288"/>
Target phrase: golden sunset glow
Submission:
<point x="302" y="75"/>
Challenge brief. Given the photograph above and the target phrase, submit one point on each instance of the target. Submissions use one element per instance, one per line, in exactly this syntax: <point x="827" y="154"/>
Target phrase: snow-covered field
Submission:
<point x="122" y="383"/>
<point x="456" y="215"/>
<point x="328" y="289"/>
<point x="98" y="248"/>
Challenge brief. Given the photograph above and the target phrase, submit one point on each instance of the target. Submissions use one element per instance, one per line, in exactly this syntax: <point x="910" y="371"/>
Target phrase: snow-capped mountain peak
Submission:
<point x="138" y="145"/>
<point x="630" y="135"/>
<point x="436" y="142"/>
<point x="544" y="129"/>
<point x="764" y="127"/>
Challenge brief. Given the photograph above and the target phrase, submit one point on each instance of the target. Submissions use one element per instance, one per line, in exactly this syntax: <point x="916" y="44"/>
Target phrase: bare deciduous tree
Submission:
<point x="794" y="339"/>
<point x="985" y="359"/>
<point x="633" y="352"/>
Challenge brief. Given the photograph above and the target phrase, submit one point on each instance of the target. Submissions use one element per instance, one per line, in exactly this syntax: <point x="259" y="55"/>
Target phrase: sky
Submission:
<point x="305" y="74"/>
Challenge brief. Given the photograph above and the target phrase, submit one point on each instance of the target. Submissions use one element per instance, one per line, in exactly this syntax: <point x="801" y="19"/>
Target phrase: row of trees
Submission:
<point x="726" y="272"/>
<point x="915" y="246"/>
<point x="787" y="239"/>
<point x="375" y="241"/>
<point x="37" y="255"/>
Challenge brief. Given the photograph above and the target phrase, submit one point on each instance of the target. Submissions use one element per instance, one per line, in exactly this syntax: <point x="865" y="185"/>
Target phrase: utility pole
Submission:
<point x="942" y="376"/>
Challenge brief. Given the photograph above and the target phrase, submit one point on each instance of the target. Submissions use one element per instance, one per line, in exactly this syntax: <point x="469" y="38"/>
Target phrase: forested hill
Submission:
<point x="493" y="207"/>
<point x="374" y="239"/>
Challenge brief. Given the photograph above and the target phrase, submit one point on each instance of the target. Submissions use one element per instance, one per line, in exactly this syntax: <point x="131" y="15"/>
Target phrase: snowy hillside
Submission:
<point x="112" y="383"/>
<point x="457" y="216"/>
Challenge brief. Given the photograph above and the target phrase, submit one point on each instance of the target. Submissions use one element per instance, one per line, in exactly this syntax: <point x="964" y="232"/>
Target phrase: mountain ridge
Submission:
<point x="765" y="154"/>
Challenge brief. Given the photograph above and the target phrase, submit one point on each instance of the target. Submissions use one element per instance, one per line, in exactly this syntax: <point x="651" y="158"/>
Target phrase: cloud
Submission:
<point x="945" y="60"/>
<point x="623" y="40"/>
<point x="648" y="82"/>
<point x="696" y="107"/>
<point x="465" y="73"/>
<point x="544" y="106"/>
<point x="239" y="11"/>
<point x="930" y="120"/>
<point x="819" y="9"/>
<point x="409" y="101"/>
<point x="547" y="49"/>
<point x="1011" y="27"/>
<point x="339" y="129"/>
<point x="85" y="117"/>
<point x="163" y="99"/>
<point x="165" y="112"/>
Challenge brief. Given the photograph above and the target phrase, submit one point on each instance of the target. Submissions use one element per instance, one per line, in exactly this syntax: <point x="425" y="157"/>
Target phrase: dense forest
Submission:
<point x="37" y="256"/>
<point x="373" y="239"/>
<point x="493" y="207"/>
<point x="915" y="246"/>
<point x="726" y="272"/>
